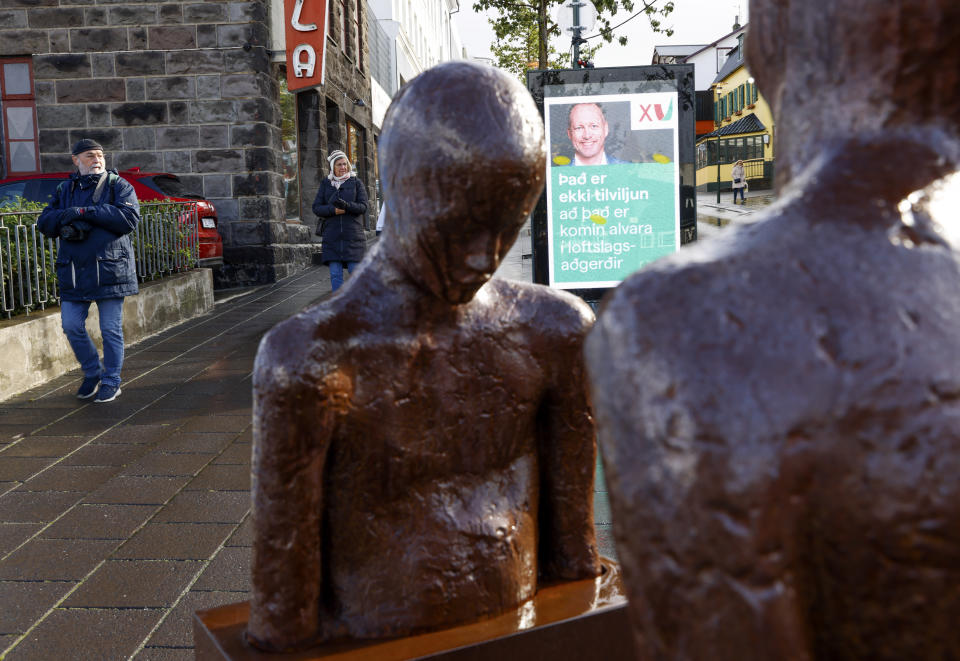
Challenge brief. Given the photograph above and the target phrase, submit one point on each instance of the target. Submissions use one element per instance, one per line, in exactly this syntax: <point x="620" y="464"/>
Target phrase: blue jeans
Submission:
<point x="336" y="273"/>
<point x="73" y="318"/>
<point x="741" y="191"/>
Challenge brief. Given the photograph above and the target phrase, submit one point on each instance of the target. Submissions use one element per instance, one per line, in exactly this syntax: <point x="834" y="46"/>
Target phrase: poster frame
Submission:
<point x="627" y="81"/>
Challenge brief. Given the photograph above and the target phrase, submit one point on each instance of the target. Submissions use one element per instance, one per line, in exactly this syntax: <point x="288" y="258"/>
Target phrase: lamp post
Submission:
<point x="575" y="17"/>
<point x="576" y="33"/>
<point x="717" y="90"/>
<point x="718" y="167"/>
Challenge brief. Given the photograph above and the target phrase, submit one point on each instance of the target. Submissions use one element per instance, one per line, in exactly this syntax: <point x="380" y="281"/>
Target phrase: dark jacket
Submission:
<point x="343" y="236"/>
<point x="101" y="265"/>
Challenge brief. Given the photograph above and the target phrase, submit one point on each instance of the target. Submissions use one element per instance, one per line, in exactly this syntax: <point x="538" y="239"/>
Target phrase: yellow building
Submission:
<point x="743" y="130"/>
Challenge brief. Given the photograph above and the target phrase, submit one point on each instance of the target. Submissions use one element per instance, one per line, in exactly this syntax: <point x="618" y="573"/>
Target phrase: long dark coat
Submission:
<point x="343" y="236"/>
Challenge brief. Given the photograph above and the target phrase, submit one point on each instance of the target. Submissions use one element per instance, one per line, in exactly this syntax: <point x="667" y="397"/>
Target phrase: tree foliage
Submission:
<point x="526" y="33"/>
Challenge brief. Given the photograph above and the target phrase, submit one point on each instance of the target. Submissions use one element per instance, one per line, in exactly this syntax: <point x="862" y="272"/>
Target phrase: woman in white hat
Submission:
<point x="340" y="205"/>
<point x="739" y="182"/>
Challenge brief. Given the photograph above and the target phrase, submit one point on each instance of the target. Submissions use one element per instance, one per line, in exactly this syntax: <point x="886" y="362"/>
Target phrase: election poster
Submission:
<point x="612" y="187"/>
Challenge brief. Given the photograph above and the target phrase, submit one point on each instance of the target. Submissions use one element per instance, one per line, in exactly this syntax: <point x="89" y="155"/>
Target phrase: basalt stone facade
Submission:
<point x="183" y="87"/>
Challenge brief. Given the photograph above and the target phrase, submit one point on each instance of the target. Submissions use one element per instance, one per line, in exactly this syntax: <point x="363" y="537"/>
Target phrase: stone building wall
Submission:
<point x="178" y="86"/>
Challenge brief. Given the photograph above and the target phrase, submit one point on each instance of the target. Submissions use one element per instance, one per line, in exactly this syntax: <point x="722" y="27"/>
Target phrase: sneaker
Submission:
<point x="107" y="393"/>
<point x="89" y="387"/>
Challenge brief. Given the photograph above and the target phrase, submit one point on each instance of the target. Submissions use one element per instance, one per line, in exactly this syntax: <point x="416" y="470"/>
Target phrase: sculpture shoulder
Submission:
<point x="292" y="347"/>
<point x="545" y="310"/>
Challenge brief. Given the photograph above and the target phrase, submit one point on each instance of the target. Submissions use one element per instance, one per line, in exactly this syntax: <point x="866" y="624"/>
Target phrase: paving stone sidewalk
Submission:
<point x="119" y="520"/>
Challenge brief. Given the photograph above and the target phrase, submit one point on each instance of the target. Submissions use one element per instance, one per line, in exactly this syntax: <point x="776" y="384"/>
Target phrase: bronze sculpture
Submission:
<point x="779" y="408"/>
<point x="423" y="444"/>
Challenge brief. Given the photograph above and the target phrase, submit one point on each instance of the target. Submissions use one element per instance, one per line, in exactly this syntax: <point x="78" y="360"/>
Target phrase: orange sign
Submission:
<point x="306" y="35"/>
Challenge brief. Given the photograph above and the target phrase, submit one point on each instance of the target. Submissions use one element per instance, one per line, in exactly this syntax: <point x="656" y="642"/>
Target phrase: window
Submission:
<point x="358" y="42"/>
<point x="722" y="53"/>
<point x="704" y="106"/>
<point x="21" y="144"/>
<point x="331" y="33"/>
<point x="731" y="150"/>
<point x="289" y="153"/>
<point x="333" y="126"/>
<point x="354" y="144"/>
<point x="343" y="26"/>
<point x="350" y="22"/>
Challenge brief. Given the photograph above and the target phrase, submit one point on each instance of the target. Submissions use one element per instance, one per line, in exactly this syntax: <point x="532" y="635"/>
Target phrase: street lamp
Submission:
<point x="575" y="17"/>
<point x="717" y="90"/>
<point x="718" y="168"/>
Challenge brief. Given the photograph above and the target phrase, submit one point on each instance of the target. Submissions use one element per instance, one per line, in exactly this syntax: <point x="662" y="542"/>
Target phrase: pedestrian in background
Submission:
<point x="340" y="206"/>
<point x="380" y="218"/>
<point x="739" y="182"/>
<point x="93" y="213"/>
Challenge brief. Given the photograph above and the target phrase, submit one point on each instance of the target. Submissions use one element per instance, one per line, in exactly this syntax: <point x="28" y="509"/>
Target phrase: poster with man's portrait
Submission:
<point x="612" y="186"/>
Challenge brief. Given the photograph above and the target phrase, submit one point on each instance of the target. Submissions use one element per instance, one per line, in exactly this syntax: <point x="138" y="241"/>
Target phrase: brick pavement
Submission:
<point x="119" y="520"/>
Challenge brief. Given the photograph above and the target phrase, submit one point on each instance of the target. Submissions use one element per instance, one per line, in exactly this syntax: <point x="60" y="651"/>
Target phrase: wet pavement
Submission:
<point x="119" y="520"/>
<point x="712" y="216"/>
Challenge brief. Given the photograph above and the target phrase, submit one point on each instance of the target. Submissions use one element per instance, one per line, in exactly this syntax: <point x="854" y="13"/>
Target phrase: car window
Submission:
<point x="10" y="191"/>
<point x="35" y="190"/>
<point x="41" y="190"/>
<point x="171" y="185"/>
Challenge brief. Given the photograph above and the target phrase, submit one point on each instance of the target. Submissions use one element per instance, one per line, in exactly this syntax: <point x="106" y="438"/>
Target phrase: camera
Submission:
<point x="74" y="231"/>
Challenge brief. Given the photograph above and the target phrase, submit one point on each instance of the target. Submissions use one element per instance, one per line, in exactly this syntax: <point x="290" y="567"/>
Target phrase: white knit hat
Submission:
<point x="334" y="155"/>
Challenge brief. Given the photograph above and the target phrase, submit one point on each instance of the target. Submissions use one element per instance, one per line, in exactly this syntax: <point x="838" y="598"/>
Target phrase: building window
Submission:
<point x="350" y="23"/>
<point x="358" y="33"/>
<point x="343" y="26"/>
<point x="355" y="144"/>
<point x="21" y="151"/>
<point x="333" y="126"/>
<point x="288" y="137"/>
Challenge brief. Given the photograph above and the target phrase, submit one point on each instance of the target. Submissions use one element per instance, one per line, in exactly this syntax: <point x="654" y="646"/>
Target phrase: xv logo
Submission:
<point x="658" y="111"/>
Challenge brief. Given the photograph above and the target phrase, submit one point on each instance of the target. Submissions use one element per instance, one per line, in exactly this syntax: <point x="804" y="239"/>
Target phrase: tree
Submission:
<point x="523" y="29"/>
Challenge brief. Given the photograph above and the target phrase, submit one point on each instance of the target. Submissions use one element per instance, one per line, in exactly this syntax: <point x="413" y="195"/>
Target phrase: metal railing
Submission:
<point x="166" y="241"/>
<point x="753" y="169"/>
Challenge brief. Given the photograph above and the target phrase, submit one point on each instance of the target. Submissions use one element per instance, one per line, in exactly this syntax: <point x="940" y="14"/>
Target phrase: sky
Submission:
<point x="693" y="21"/>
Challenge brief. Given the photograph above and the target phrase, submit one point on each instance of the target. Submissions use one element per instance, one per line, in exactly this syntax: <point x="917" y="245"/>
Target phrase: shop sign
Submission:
<point x="306" y="36"/>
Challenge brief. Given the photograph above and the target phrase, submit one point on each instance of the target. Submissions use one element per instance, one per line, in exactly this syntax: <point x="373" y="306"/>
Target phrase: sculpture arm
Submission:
<point x="568" y="457"/>
<point x="290" y="438"/>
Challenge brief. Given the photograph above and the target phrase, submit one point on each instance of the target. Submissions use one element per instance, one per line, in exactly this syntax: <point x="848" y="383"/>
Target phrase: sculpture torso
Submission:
<point x="787" y="474"/>
<point x="431" y="472"/>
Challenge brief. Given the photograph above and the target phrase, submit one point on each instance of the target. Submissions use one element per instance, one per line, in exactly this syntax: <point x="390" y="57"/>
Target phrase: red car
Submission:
<point x="148" y="186"/>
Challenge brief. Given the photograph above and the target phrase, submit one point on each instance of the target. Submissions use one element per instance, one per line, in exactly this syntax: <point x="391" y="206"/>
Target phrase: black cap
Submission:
<point x="86" y="145"/>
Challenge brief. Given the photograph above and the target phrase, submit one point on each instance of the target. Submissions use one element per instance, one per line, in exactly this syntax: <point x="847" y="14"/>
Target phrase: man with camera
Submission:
<point x="92" y="214"/>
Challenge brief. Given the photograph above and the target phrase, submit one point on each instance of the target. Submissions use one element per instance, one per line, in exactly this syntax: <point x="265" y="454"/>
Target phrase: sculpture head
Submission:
<point x="854" y="67"/>
<point x="463" y="157"/>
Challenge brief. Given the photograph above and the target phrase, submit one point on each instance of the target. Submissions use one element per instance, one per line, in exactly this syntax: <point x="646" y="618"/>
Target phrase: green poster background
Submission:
<point x="607" y="221"/>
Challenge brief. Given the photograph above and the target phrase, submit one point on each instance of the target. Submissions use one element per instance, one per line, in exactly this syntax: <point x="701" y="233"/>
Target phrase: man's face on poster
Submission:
<point x="587" y="131"/>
